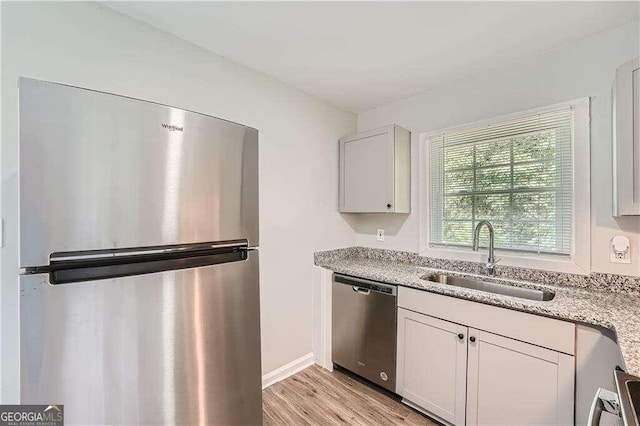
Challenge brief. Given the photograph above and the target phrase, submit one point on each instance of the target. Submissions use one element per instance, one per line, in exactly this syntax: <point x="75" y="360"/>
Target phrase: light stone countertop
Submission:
<point x="619" y="312"/>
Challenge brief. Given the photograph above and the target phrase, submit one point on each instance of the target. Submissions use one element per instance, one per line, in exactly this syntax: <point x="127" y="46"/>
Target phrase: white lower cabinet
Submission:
<point x="432" y="368"/>
<point x="514" y="383"/>
<point x="462" y="375"/>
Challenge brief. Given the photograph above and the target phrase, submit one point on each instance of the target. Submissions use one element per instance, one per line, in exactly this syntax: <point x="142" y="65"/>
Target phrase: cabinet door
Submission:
<point x="636" y="136"/>
<point x="626" y="140"/>
<point x="432" y="365"/>
<point x="510" y="382"/>
<point x="367" y="174"/>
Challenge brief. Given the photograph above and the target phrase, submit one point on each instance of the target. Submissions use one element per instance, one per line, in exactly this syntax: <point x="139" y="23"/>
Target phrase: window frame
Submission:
<point x="579" y="260"/>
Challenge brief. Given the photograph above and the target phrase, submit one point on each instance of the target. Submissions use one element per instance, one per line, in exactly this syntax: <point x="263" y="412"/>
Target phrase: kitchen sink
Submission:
<point x="506" y="290"/>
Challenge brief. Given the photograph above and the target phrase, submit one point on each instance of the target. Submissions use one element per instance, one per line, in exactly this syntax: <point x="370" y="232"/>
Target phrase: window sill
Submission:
<point x="529" y="261"/>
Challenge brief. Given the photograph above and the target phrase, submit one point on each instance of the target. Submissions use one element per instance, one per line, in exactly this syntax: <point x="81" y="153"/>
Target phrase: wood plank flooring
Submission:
<point x="316" y="396"/>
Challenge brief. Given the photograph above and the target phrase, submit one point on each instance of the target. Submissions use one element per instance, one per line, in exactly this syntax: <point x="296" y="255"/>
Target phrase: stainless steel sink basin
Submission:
<point x="506" y="290"/>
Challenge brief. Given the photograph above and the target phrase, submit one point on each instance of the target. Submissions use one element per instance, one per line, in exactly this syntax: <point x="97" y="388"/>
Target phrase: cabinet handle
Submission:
<point x="460" y="336"/>
<point x="472" y="339"/>
<point x="388" y="206"/>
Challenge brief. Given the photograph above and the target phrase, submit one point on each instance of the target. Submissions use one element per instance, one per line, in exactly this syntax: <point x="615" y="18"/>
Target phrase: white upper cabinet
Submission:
<point x="626" y="140"/>
<point x="375" y="171"/>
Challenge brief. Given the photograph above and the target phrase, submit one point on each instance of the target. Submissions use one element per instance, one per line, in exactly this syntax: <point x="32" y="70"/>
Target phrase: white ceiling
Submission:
<point x="359" y="55"/>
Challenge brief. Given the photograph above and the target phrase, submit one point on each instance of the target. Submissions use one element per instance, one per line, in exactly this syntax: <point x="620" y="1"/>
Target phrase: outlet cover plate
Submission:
<point x="619" y="250"/>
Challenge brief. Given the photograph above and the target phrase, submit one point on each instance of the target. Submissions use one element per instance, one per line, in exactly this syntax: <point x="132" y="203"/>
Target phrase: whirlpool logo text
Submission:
<point x="172" y="127"/>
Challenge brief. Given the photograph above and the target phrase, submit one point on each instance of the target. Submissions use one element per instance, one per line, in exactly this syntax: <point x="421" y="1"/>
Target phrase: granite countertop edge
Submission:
<point x="619" y="313"/>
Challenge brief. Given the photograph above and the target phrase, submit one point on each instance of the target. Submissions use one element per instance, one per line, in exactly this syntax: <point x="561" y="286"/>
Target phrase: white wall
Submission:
<point x="583" y="69"/>
<point x="88" y="45"/>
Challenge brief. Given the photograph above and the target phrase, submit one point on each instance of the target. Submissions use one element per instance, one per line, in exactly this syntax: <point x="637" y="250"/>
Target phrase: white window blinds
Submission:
<point x="517" y="174"/>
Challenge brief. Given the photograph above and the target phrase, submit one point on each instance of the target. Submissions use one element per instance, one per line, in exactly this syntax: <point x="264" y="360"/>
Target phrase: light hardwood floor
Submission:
<point x="316" y="396"/>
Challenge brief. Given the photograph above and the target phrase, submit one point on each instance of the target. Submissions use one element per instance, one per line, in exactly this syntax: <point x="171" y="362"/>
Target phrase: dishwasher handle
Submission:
<point x="364" y="287"/>
<point x="365" y="291"/>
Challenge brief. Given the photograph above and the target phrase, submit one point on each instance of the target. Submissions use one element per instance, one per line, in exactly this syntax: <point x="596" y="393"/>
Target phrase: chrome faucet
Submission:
<point x="491" y="261"/>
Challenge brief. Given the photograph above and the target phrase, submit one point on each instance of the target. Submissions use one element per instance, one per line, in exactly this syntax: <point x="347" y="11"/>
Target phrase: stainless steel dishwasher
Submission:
<point x="364" y="328"/>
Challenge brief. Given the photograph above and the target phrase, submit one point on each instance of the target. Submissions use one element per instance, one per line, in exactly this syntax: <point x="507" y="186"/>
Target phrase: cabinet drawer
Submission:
<point x="549" y="333"/>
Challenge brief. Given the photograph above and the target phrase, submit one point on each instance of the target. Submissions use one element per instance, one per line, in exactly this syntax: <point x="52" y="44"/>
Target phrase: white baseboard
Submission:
<point x="287" y="370"/>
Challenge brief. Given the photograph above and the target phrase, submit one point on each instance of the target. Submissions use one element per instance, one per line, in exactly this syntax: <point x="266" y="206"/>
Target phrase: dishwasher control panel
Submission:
<point x="370" y="285"/>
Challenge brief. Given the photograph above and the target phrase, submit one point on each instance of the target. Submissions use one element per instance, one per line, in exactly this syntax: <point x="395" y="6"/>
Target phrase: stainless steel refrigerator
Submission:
<point x="139" y="298"/>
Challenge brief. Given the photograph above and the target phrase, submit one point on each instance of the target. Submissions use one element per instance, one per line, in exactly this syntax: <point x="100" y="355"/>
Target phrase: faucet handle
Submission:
<point x="492" y="264"/>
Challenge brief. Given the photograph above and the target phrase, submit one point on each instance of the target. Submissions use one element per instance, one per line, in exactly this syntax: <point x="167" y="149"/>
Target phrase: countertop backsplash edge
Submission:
<point x="599" y="281"/>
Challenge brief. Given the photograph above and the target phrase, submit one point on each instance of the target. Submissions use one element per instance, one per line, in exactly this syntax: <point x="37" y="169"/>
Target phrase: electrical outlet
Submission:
<point x="620" y="250"/>
<point x="380" y="235"/>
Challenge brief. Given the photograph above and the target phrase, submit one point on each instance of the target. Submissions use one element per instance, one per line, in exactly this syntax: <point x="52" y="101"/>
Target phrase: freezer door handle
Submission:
<point x="124" y="253"/>
<point x="115" y="267"/>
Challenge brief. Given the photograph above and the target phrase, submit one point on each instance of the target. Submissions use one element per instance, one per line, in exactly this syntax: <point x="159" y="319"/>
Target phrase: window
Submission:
<point x="517" y="173"/>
